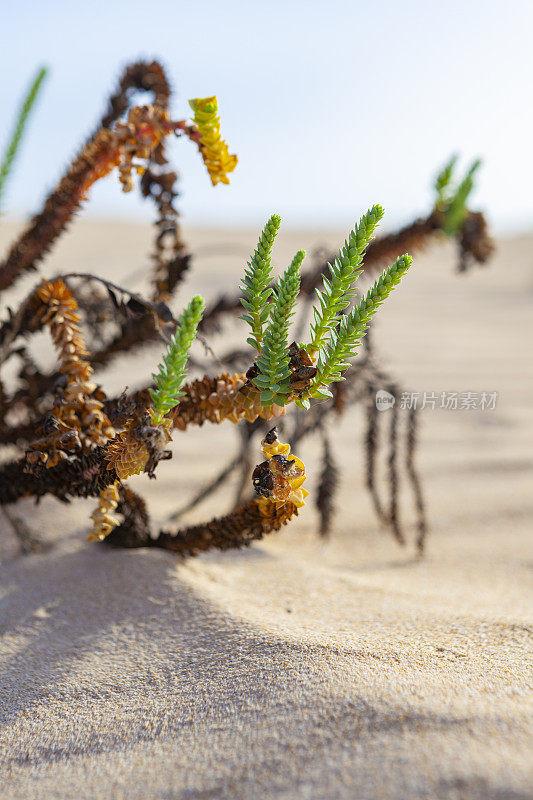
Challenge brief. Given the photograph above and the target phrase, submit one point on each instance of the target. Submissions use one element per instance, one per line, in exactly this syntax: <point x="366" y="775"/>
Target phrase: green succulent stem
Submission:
<point x="20" y="125"/>
<point x="451" y="201"/>
<point x="457" y="210"/>
<point x="171" y="371"/>
<point x="339" y="289"/>
<point x="273" y="362"/>
<point x="442" y="182"/>
<point x="335" y="334"/>
<point x="344" y="341"/>
<point x="256" y="288"/>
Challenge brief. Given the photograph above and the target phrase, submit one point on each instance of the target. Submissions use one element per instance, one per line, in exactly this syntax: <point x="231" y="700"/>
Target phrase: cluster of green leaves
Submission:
<point x="452" y="199"/>
<point x="171" y="372"/>
<point x="273" y="361"/>
<point x="335" y="335"/>
<point x="346" y="338"/>
<point x="339" y="290"/>
<point x="256" y="288"/>
<point x="20" y="125"/>
<point x="442" y="183"/>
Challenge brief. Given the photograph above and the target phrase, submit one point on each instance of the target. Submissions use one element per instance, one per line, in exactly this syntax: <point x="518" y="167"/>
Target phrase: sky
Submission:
<point x="330" y="106"/>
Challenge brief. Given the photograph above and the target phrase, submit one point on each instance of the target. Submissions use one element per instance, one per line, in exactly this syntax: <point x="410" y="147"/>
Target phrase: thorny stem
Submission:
<point x="238" y="529"/>
<point x="412" y="424"/>
<point x="84" y="476"/>
<point x="103" y="153"/>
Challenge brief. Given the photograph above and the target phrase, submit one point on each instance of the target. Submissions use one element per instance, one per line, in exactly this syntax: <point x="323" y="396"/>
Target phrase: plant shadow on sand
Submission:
<point x="118" y="653"/>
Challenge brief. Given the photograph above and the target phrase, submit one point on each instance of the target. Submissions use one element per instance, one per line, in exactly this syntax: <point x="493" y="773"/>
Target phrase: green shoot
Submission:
<point x="171" y="374"/>
<point x="256" y="287"/>
<point x="442" y="182"/>
<point x="339" y="289"/>
<point x="450" y="201"/>
<point x="456" y="211"/>
<point x="344" y="341"/>
<point x="273" y="362"/>
<point x="335" y="334"/>
<point x="20" y="125"/>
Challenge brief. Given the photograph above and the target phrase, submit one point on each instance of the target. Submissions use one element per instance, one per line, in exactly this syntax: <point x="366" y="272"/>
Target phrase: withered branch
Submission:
<point x="327" y="487"/>
<point x="141" y="76"/>
<point x="83" y="476"/>
<point x="145" y="128"/>
<point x="236" y="530"/>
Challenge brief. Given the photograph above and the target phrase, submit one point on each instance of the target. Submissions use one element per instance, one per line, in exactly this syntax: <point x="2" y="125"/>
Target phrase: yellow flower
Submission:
<point x="288" y="472"/>
<point x="213" y="148"/>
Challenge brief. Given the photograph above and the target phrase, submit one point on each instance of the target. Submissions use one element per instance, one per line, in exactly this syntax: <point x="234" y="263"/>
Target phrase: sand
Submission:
<point x="298" y="668"/>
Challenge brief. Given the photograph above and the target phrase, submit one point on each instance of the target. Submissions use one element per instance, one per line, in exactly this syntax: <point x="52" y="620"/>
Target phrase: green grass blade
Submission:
<point x="20" y="125"/>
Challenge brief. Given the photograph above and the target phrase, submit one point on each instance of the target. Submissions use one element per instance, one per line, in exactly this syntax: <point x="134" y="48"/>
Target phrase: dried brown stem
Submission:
<point x="141" y="76"/>
<point x="422" y="529"/>
<point x="228" y="397"/>
<point x="108" y="149"/>
<point x="238" y="529"/>
<point x="327" y="487"/>
<point x="170" y="257"/>
<point x="83" y="476"/>
<point x="371" y="450"/>
<point x="394" y="475"/>
<point x="78" y="419"/>
<point x="475" y="243"/>
<point x="171" y="260"/>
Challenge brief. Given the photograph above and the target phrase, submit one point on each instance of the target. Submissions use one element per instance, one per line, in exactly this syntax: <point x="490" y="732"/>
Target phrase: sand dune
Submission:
<point x="298" y="668"/>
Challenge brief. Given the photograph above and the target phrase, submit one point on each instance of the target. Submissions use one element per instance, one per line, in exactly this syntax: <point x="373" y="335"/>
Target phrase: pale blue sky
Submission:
<point x="331" y="106"/>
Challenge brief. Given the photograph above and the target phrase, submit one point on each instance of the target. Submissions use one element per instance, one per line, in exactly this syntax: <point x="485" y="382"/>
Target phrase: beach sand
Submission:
<point x="298" y="668"/>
